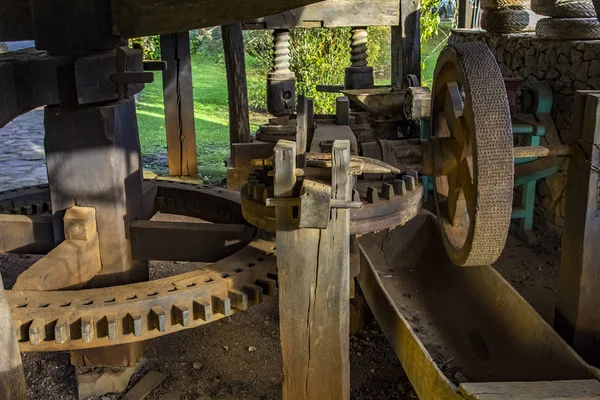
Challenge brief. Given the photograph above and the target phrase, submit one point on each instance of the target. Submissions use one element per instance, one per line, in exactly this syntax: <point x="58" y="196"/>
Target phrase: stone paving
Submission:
<point x="22" y="161"/>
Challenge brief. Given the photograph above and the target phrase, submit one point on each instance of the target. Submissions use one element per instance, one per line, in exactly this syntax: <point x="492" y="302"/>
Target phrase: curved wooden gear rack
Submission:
<point x="81" y="319"/>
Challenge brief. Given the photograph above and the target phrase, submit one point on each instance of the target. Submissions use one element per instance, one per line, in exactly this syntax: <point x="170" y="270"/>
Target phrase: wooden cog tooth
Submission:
<point x="274" y="276"/>
<point x="372" y="195"/>
<point x="239" y="299"/>
<point x="62" y="332"/>
<point x="399" y="187"/>
<point x="135" y="323"/>
<point x="159" y="318"/>
<point x="202" y="310"/>
<point x="254" y="292"/>
<point x="221" y="305"/>
<point x="387" y="191"/>
<point x="268" y="285"/>
<point x="410" y="182"/>
<point x="111" y="326"/>
<point x="181" y="315"/>
<point x="258" y="191"/>
<point x="18" y="329"/>
<point x="37" y="331"/>
<point x="355" y="195"/>
<point x="87" y="328"/>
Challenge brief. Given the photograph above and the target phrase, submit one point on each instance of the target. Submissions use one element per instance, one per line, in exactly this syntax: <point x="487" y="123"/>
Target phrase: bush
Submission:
<point x="150" y="46"/>
<point x="318" y="56"/>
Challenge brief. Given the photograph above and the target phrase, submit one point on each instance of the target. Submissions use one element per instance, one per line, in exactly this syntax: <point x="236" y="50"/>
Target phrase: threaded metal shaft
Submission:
<point x="358" y="52"/>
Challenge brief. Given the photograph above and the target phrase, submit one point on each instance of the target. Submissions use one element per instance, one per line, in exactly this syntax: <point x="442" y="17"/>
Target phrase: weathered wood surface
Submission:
<point x="406" y="43"/>
<point x="73" y="263"/>
<point x="12" y="378"/>
<point x="179" y="104"/>
<point x="26" y="234"/>
<point x="186" y="241"/>
<point x="313" y="267"/>
<point x="136" y="18"/>
<point x="577" y="318"/>
<point x="15" y="20"/>
<point x="237" y="89"/>
<point x="586" y="389"/>
<point x="332" y="13"/>
<point x="145" y="386"/>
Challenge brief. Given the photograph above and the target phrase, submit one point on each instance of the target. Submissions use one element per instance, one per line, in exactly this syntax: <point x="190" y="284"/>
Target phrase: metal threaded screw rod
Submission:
<point x="358" y="52"/>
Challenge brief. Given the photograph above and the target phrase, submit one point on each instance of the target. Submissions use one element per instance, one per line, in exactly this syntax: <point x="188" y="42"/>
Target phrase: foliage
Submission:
<point x="150" y="46"/>
<point x="429" y="23"/>
<point x="318" y="56"/>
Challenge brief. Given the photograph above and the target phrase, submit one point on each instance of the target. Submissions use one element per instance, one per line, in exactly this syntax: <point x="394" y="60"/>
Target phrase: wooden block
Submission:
<point x="70" y="265"/>
<point x="145" y="386"/>
<point x="187" y="241"/>
<point x="87" y="328"/>
<point x="181" y="315"/>
<point x="315" y="200"/>
<point x="254" y="292"/>
<point x="239" y="299"/>
<point x="159" y="319"/>
<point x="62" y="331"/>
<point x="560" y="390"/>
<point x="26" y="234"/>
<point x="15" y="21"/>
<point x="202" y="310"/>
<point x="135" y="323"/>
<point x="221" y="305"/>
<point x="111" y="326"/>
<point x="80" y="223"/>
<point x="268" y="285"/>
<point x="243" y="153"/>
<point x="37" y="331"/>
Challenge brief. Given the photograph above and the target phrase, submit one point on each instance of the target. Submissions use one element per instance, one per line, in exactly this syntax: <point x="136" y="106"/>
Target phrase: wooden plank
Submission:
<point x="406" y="42"/>
<point x="12" y="384"/>
<point x="15" y="20"/>
<point x="313" y="268"/>
<point x="186" y="241"/>
<point x="237" y="89"/>
<point x="69" y="266"/>
<point x="577" y="319"/>
<point x="332" y="13"/>
<point x="80" y="223"/>
<point x="145" y="386"/>
<point x="179" y="104"/>
<point x="586" y="389"/>
<point x="243" y="153"/>
<point x="26" y="234"/>
<point x="136" y="18"/>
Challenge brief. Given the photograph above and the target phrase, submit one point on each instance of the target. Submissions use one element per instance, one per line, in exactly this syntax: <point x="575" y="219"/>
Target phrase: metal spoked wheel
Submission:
<point x="474" y="193"/>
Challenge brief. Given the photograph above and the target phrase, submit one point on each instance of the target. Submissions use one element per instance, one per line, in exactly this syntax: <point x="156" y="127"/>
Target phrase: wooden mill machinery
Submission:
<point x="325" y="203"/>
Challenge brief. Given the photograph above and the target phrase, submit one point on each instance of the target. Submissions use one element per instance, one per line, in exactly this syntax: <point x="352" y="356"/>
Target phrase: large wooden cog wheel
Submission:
<point x="474" y="192"/>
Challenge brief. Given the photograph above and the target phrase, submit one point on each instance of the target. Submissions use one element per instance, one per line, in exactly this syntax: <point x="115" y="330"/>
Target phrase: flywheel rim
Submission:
<point x="485" y="151"/>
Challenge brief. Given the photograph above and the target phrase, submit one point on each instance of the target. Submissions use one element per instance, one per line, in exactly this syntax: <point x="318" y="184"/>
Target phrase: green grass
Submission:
<point x="212" y="114"/>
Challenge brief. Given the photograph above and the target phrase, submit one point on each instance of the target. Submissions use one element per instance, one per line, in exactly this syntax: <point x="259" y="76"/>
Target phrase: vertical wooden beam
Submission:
<point x="179" y="104"/>
<point x="406" y="43"/>
<point x="12" y="379"/>
<point x="235" y="65"/>
<point x="577" y="317"/>
<point x="314" y="292"/>
<point x="465" y="14"/>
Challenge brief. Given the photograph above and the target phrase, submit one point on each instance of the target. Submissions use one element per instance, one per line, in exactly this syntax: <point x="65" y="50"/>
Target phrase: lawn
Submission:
<point x="212" y="114"/>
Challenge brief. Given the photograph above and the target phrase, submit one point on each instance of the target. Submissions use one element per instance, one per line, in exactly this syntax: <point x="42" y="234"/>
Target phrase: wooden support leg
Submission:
<point x="12" y="379"/>
<point x="93" y="159"/>
<point x="577" y="318"/>
<point x="406" y="43"/>
<point x="179" y="104"/>
<point x="314" y="291"/>
<point x="235" y="63"/>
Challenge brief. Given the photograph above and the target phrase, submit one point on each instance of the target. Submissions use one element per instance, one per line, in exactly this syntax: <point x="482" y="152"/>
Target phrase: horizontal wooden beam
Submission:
<point x="26" y="234"/>
<point x="187" y="241"/>
<point x="332" y="13"/>
<point x="156" y="17"/>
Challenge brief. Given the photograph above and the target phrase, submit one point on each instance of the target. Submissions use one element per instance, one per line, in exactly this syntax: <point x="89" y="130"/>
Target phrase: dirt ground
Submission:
<point x="240" y="358"/>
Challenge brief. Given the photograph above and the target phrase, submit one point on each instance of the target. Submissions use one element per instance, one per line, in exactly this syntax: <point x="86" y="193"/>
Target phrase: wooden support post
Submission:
<point x="465" y="14"/>
<point x="406" y="43"/>
<point x="12" y="379"/>
<point x="179" y="104"/>
<point x="313" y="267"/>
<point x="577" y="318"/>
<point x="93" y="159"/>
<point x="235" y="64"/>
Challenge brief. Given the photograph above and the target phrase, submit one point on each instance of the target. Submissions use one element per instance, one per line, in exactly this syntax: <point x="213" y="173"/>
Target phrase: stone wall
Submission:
<point x="567" y="66"/>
